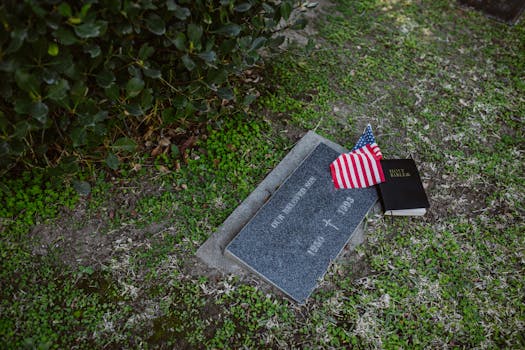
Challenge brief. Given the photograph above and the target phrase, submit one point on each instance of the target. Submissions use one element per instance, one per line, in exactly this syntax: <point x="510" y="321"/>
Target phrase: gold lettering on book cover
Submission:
<point x="398" y="172"/>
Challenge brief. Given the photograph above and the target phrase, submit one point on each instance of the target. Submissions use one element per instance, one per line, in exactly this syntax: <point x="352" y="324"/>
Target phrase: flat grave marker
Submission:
<point x="291" y="241"/>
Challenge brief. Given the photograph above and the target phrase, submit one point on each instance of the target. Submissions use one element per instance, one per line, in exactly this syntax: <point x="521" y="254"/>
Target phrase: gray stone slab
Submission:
<point x="211" y="251"/>
<point x="302" y="228"/>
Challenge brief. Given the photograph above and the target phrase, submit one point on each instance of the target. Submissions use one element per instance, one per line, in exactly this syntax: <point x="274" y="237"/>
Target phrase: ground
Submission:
<point x="444" y="84"/>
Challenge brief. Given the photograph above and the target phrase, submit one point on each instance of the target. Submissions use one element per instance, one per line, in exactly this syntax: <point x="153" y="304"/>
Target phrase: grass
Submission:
<point x="436" y="81"/>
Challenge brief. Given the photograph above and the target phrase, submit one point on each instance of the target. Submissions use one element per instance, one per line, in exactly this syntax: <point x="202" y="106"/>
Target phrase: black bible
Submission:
<point x="402" y="193"/>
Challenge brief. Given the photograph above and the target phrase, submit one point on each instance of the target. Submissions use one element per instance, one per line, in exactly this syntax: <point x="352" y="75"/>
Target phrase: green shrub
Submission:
<point x="73" y="74"/>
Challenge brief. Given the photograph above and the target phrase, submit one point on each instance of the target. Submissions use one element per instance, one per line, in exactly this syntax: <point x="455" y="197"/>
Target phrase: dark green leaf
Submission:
<point x="112" y="161"/>
<point x="245" y="42"/>
<point x="286" y="8"/>
<point x="85" y="110"/>
<point x="268" y="8"/>
<point x="65" y="10"/>
<point x="156" y="24"/>
<point x="135" y="110"/>
<point x="91" y="29"/>
<point x="93" y="50"/>
<point x="251" y="58"/>
<point x="218" y="76"/>
<point x="27" y="81"/>
<point x="171" y="5"/>
<point x="201" y="106"/>
<point x="134" y="87"/>
<point x="230" y="29"/>
<point x="23" y="105"/>
<point x="168" y="116"/>
<point x="258" y="43"/>
<point x="91" y="120"/>
<point x="18" y="35"/>
<point x="83" y="188"/>
<point x="112" y="92"/>
<point x="78" y="91"/>
<point x="175" y="152"/>
<point x="180" y="12"/>
<point x="84" y="10"/>
<point x="227" y="46"/>
<point x="179" y="101"/>
<point x="78" y="136"/>
<point x="134" y="71"/>
<point x="68" y="165"/>
<point x="270" y="23"/>
<point x="66" y="65"/>
<point x="124" y="144"/>
<point x="152" y="73"/>
<point x="146" y="99"/>
<point x="277" y="41"/>
<point x="38" y="44"/>
<point x="65" y="36"/>
<point x="194" y="33"/>
<point x="146" y="52"/>
<point x="21" y="129"/>
<point x="188" y="63"/>
<point x="180" y="41"/>
<point x="100" y="130"/>
<point x="58" y="91"/>
<point x="300" y="23"/>
<point x="209" y="56"/>
<point x="243" y="7"/>
<point x="105" y="78"/>
<point x="17" y="148"/>
<point x="124" y="28"/>
<point x="225" y="93"/>
<point x="248" y="99"/>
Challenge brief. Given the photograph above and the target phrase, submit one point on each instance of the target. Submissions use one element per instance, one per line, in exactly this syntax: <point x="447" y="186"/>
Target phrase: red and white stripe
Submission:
<point x="375" y="150"/>
<point x="358" y="169"/>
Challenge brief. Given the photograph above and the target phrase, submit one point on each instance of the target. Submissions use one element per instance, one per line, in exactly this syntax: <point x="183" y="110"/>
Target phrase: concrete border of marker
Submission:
<point x="211" y="252"/>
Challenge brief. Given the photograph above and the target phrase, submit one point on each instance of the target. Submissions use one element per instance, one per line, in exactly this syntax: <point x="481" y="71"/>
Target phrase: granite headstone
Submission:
<point x="302" y="228"/>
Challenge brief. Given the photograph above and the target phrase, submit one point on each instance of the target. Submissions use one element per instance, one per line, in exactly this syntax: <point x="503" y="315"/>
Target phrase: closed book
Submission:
<point x="402" y="193"/>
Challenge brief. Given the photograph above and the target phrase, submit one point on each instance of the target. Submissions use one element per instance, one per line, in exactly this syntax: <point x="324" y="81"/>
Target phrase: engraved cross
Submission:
<point x="329" y="223"/>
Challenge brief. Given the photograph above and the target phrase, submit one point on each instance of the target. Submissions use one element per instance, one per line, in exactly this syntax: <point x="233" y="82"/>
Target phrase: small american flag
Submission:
<point x="361" y="167"/>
